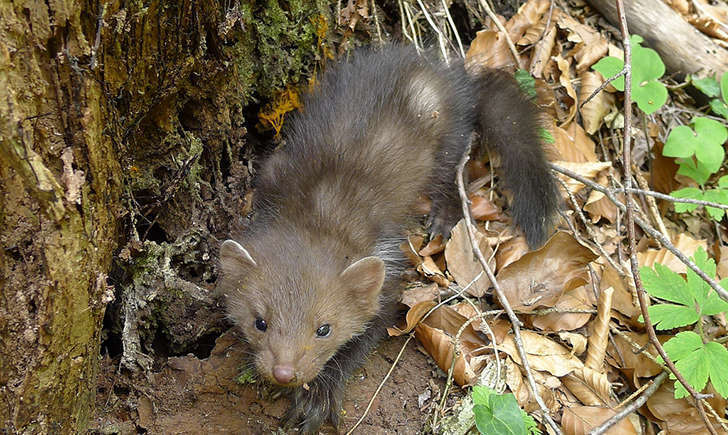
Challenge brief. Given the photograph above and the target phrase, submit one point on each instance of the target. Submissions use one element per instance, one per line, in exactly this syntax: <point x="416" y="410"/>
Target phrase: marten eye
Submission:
<point x="260" y="324"/>
<point x="323" y="330"/>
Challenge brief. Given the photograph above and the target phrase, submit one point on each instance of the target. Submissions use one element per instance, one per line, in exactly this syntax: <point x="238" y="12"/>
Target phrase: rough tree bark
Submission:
<point x="122" y="133"/>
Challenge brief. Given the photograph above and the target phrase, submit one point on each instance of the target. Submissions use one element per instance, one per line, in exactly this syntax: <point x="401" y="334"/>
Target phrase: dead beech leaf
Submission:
<point x="575" y="299"/>
<point x="587" y="170"/>
<point x="594" y="111"/>
<point x="489" y="49"/>
<point x="722" y="262"/>
<point x="626" y="356"/>
<point x="432" y="272"/>
<point x="589" y="45"/>
<point x="411" y="247"/>
<point x="581" y="389"/>
<point x="434" y="246"/>
<point x="678" y="415"/>
<point x="541" y="54"/>
<point x="545" y="384"/>
<point x="577" y="341"/>
<point x="483" y="209"/>
<point x="436" y="333"/>
<point x="580" y="420"/>
<point x="599" y="206"/>
<point x="565" y="80"/>
<point x="663" y="170"/>
<point x="543" y="354"/>
<point x="573" y="144"/>
<point x="539" y="278"/>
<point x="414" y="315"/>
<point x="624" y="298"/>
<point x="510" y="251"/>
<point x="683" y="242"/>
<point x="413" y="296"/>
<point x="461" y="261"/>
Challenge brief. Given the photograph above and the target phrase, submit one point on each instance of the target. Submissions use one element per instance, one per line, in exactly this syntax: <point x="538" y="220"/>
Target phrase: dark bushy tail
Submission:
<point x="509" y="123"/>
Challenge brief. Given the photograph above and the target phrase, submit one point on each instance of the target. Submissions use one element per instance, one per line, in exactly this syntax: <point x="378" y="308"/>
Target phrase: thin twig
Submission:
<point x="454" y="29"/>
<point x="381" y="384"/>
<point x="659" y="195"/>
<point x="436" y="28"/>
<point x="630" y="218"/>
<point x="516" y="324"/>
<point x="651" y="204"/>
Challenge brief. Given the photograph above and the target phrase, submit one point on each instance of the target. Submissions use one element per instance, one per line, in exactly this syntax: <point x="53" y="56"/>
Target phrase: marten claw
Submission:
<point x="309" y="410"/>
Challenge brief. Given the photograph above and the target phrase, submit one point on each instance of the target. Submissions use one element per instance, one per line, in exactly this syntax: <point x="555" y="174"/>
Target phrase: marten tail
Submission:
<point x="509" y="124"/>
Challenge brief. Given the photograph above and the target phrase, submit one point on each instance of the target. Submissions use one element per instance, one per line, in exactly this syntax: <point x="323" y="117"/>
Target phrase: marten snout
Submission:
<point x="283" y="373"/>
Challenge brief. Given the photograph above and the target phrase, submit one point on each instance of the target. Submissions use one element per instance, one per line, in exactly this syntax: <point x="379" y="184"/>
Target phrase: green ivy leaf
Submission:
<point x="708" y="85"/>
<point x="687" y="192"/>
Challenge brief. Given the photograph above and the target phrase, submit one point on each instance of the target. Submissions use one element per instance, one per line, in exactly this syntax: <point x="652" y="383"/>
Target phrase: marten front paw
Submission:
<point x="443" y="216"/>
<point x="312" y="408"/>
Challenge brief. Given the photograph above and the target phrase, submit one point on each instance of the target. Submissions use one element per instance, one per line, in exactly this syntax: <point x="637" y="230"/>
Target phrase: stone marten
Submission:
<point x="314" y="280"/>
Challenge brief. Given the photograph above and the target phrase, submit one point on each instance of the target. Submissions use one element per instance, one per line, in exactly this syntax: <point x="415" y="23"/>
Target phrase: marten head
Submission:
<point x="296" y="306"/>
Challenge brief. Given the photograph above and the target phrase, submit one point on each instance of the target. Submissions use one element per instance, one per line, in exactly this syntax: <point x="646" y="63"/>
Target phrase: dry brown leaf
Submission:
<point x="543" y="354"/>
<point x="582" y="390"/>
<point x="580" y="420"/>
<point x="599" y="206"/>
<point x="411" y="247"/>
<point x="573" y="144"/>
<point x="594" y="111"/>
<point x="678" y="415"/>
<point x="541" y="54"/>
<point x="579" y="298"/>
<point x="510" y="250"/>
<point x="488" y="50"/>
<point x="434" y="246"/>
<point x="545" y="384"/>
<point x="683" y="242"/>
<point x="587" y="170"/>
<point x="599" y="328"/>
<point x="565" y="80"/>
<point x="722" y="260"/>
<point x="436" y="333"/>
<point x="414" y="315"/>
<point x="483" y="209"/>
<point x="589" y="45"/>
<point x="433" y="272"/>
<point x="539" y="278"/>
<point x="422" y="293"/>
<point x="577" y="341"/>
<point x="626" y="358"/>
<point x="624" y="298"/>
<point x="663" y="170"/>
<point x="461" y="261"/>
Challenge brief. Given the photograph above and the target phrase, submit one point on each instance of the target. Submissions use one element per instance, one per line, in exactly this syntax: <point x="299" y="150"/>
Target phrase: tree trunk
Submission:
<point x="122" y="131"/>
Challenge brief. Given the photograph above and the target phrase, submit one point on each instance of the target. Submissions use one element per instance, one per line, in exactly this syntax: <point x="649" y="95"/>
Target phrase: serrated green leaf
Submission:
<point x="686" y="192"/>
<point x="608" y="67"/>
<point x="665" y="284"/>
<point x="681" y="142"/>
<point x="682" y="344"/>
<point x="716" y="195"/>
<point x="669" y="316"/>
<point x="708" y="85"/>
<point x="717" y="357"/>
<point x="714" y="304"/>
<point x="694" y="368"/>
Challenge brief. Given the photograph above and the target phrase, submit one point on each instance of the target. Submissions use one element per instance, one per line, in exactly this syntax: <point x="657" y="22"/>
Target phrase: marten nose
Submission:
<point x="283" y="373"/>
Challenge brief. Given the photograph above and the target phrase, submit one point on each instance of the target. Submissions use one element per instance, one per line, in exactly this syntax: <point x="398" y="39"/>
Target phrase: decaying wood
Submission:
<point x="682" y="47"/>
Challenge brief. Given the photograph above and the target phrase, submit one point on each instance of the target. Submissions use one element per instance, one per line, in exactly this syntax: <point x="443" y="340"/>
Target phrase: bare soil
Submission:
<point x="188" y="395"/>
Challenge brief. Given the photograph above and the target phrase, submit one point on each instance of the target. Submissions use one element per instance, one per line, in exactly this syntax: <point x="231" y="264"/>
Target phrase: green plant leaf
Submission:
<point x="710" y="131"/>
<point x="687" y="192"/>
<point x="717" y="356"/>
<point x="669" y="316"/>
<point x="724" y="86"/>
<point x="665" y="284"/>
<point x="497" y="413"/>
<point x="694" y="169"/>
<point x="608" y="67"/>
<point x="708" y="85"/>
<point x="719" y="196"/>
<point x="650" y="96"/>
<point x="723" y="182"/>
<point x="681" y="142"/>
<point x="528" y="83"/>
<point x="719" y="107"/>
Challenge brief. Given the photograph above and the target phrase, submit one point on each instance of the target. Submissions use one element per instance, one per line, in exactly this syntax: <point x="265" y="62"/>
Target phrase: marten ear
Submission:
<point x="365" y="279"/>
<point x="233" y="256"/>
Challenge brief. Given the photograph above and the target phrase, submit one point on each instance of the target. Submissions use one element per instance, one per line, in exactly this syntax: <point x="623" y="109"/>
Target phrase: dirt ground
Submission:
<point x="188" y="395"/>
